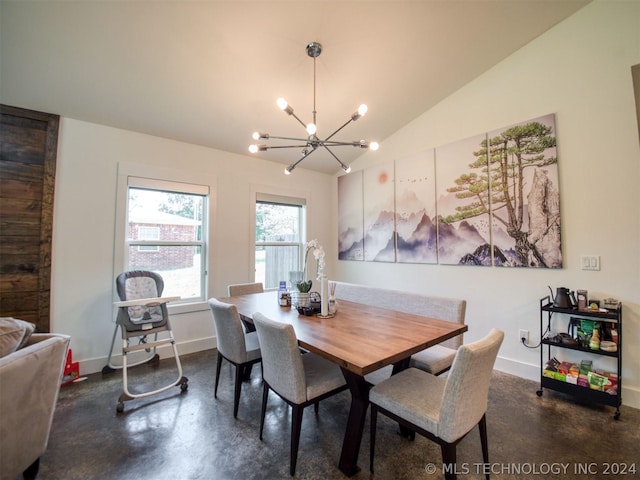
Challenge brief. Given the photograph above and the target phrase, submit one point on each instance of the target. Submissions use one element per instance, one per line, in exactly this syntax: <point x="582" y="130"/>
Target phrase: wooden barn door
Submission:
<point x="28" y="149"/>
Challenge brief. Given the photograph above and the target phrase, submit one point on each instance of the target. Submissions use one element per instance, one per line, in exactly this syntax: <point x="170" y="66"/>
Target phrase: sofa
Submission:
<point x="31" y="369"/>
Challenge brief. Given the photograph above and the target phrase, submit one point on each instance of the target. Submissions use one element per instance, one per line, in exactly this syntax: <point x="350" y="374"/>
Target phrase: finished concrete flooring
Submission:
<point x="191" y="435"/>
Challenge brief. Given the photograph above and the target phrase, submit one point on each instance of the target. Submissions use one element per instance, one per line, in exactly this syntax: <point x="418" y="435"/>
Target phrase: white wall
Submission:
<point x="84" y="227"/>
<point x="581" y="71"/>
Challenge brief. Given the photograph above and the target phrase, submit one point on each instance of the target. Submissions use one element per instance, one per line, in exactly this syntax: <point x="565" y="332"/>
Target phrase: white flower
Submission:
<point x="318" y="254"/>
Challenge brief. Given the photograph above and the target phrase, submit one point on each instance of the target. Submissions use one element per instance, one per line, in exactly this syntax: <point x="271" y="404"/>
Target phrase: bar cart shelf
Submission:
<point x="613" y="317"/>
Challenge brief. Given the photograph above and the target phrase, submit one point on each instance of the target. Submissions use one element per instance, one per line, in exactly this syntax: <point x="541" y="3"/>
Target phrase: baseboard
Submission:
<point x="95" y="365"/>
<point x="630" y="395"/>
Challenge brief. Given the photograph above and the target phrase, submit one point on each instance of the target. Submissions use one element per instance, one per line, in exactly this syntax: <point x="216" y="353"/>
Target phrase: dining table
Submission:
<point x="360" y="339"/>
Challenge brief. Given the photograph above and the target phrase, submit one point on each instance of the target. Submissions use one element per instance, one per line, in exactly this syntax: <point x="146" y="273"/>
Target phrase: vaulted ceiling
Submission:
<point x="209" y="72"/>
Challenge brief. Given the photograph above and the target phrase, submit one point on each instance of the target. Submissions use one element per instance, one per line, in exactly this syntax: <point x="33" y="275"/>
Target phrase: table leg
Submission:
<point x="348" y="463"/>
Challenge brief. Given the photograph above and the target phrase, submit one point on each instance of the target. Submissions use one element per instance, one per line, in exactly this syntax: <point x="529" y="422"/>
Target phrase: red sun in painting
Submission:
<point x="382" y="178"/>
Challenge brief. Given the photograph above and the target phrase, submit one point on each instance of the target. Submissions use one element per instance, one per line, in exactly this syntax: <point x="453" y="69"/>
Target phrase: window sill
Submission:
<point x="180" y="308"/>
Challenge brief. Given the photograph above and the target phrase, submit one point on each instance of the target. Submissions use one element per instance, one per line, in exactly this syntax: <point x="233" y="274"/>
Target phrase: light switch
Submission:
<point x="590" y="262"/>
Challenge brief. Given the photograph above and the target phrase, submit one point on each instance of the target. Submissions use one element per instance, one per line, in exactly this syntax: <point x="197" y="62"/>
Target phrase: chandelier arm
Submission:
<point x="298" y="119"/>
<point x="295" y="139"/>
<point x="339" y="128"/>
<point x="341" y="144"/>
<point x="344" y="167"/>
<point x="269" y="147"/>
<point x="305" y="155"/>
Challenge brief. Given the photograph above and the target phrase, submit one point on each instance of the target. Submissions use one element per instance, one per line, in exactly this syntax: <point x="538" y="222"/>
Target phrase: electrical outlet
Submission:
<point x="523" y="334"/>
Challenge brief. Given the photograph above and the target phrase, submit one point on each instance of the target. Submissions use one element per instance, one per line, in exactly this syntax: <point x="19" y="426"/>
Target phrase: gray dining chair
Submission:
<point x="299" y="379"/>
<point x="244" y="288"/>
<point x="236" y="289"/>
<point x="234" y="345"/>
<point x="442" y="409"/>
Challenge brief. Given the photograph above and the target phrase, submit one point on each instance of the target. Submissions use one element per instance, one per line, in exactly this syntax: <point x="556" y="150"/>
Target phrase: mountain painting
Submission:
<point x="379" y="223"/>
<point x="350" y="217"/>
<point x="464" y="235"/>
<point x="525" y="200"/>
<point x="488" y="200"/>
<point x="416" y="235"/>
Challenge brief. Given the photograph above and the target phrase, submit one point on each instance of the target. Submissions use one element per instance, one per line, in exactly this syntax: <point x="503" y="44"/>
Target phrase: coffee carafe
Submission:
<point x="562" y="298"/>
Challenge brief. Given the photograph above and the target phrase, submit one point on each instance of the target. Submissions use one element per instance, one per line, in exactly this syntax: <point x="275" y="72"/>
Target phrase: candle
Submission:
<point x="324" y="296"/>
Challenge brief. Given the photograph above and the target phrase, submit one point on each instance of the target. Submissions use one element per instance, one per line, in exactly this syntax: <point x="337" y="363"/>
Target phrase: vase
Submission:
<point x="333" y="305"/>
<point x="295" y="277"/>
<point x="300" y="299"/>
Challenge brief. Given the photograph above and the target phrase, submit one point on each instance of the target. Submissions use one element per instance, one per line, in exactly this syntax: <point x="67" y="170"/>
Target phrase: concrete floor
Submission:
<point x="191" y="435"/>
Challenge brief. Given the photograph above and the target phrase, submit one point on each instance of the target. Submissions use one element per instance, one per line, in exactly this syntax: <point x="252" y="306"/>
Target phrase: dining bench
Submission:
<point x="436" y="359"/>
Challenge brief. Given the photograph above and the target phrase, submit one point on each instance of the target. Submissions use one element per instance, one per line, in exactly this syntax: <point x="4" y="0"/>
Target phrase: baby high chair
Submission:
<point x="142" y="312"/>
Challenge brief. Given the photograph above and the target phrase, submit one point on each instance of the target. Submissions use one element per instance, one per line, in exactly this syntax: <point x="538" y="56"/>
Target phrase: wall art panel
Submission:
<point x="416" y="233"/>
<point x="525" y="200"/>
<point x="379" y="208"/>
<point x="350" y="217"/>
<point x="464" y="236"/>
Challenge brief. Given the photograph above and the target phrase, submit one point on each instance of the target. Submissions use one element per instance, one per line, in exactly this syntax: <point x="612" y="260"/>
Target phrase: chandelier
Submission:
<point x="312" y="142"/>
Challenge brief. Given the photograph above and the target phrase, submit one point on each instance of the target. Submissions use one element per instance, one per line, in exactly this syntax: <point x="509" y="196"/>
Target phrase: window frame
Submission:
<point x="165" y="179"/>
<point x="283" y="196"/>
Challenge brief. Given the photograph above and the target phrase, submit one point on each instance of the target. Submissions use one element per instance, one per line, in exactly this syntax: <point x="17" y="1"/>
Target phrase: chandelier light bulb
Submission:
<point x="346" y="169"/>
<point x="256" y="135"/>
<point x="374" y="146"/>
<point x="362" y="109"/>
<point x="253" y="148"/>
<point x="287" y="171"/>
<point x="282" y="103"/>
<point x="312" y="129"/>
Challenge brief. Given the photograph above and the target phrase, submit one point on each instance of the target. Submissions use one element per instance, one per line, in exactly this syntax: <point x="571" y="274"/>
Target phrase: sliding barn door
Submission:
<point x="28" y="149"/>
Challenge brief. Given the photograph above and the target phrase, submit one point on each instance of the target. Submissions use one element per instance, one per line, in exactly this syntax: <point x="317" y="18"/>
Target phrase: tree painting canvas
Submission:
<point x="489" y="200"/>
<point x="416" y="233"/>
<point x="525" y="200"/>
<point x="350" y="217"/>
<point x="379" y="223"/>
<point x="464" y="236"/>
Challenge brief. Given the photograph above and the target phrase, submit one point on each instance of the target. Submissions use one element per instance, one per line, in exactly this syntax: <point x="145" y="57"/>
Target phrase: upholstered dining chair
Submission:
<point x="299" y="379"/>
<point x="243" y="289"/>
<point x="441" y="409"/>
<point x="238" y="348"/>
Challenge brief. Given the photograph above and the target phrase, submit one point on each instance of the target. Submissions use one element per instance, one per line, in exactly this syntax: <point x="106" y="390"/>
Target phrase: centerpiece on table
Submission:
<point x="302" y="284"/>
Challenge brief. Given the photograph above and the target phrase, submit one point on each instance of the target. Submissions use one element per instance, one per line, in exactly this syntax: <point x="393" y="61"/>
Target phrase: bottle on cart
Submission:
<point x="594" y="343"/>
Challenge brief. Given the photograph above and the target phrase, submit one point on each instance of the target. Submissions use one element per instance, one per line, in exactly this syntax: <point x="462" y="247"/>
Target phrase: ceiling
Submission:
<point x="209" y="72"/>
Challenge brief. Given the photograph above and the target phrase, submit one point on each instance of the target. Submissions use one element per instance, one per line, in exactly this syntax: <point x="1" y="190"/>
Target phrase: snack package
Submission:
<point x="573" y="374"/>
<point x="585" y="367"/>
<point x="583" y="380"/>
<point x="596" y="381"/>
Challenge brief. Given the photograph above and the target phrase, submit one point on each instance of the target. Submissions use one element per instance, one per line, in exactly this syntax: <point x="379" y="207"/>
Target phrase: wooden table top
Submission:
<point x="360" y="338"/>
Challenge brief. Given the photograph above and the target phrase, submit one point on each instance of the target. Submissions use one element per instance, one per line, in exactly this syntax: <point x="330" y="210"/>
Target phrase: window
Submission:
<point x="280" y="229"/>
<point x="166" y="225"/>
